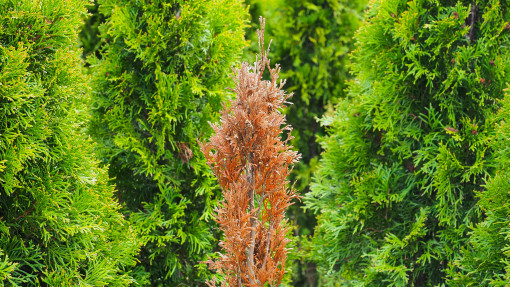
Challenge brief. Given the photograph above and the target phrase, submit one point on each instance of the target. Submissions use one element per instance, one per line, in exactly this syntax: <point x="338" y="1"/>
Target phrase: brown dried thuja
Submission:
<point x="252" y="162"/>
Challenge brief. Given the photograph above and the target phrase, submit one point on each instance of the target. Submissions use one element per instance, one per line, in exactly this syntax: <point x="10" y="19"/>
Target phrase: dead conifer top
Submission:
<point x="252" y="162"/>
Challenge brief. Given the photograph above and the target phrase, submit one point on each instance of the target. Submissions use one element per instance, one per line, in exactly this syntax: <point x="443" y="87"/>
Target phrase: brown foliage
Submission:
<point x="185" y="153"/>
<point x="252" y="162"/>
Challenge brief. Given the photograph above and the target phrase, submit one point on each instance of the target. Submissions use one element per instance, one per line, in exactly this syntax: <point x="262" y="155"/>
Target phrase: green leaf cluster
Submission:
<point x="59" y="223"/>
<point x="409" y="147"/>
<point x="161" y="78"/>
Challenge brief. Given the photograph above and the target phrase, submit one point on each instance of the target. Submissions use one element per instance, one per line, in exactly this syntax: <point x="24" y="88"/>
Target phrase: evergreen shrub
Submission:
<point x="59" y="223"/>
<point x="160" y="80"/>
<point x="408" y="149"/>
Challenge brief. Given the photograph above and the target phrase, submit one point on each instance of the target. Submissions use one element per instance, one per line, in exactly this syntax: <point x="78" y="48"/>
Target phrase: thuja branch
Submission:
<point x="252" y="162"/>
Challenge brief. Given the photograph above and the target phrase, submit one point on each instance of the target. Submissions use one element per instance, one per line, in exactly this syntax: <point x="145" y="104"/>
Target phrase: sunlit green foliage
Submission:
<point x="409" y="147"/>
<point x="162" y="77"/>
<point x="486" y="260"/>
<point x="59" y="224"/>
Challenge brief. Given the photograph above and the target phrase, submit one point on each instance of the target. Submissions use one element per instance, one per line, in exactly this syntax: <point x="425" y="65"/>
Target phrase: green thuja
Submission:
<point x="161" y="79"/>
<point x="408" y="149"/>
<point x="59" y="223"/>
<point x="486" y="259"/>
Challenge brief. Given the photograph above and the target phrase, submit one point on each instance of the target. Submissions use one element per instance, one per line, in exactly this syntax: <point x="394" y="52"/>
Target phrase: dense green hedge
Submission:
<point x="59" y="225"/>
<point x="162" y="77"/>
<point x="409" y="147"/>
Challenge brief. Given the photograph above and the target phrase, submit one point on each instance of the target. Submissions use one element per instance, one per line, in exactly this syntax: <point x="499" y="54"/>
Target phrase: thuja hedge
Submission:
<point x="59" y="223"/>
<point x="161" y="78"/>
<point x="408" y="150"/>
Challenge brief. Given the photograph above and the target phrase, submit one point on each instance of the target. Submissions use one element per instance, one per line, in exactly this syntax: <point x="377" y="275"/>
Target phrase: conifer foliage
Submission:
<point x="160" y="79"/>
<point x="486" y="259"/>
<point x="59" y="223"/>
<point x="252" y="162"/>
<point x="409" y="147"/>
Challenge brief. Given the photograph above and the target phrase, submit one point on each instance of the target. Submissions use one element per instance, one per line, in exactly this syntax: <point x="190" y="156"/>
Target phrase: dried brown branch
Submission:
<point x="252" y="163"/>
<point x="473" y="13"/>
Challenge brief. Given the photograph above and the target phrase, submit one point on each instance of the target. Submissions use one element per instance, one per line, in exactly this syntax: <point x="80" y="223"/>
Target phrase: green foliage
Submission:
<point x="59" y="224"/>
<point x="269" y="10"/>
<point x="161" y="79"/>
<point x="409" y="147"/>
<point x="486" y="260"/>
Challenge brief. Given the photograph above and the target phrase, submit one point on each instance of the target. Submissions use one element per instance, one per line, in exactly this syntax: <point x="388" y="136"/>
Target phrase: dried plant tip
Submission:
<point x="185" y="153"/>
<point x="252" y="163"/>
<point x="451" y="130"/>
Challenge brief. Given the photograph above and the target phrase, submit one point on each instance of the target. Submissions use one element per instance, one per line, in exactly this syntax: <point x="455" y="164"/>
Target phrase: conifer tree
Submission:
<point x="59" y="223"/>
<point x="409" y="147"/>
<point x="252" y="163"/>
<point x="485" y="260"/>
<point x="160" y="80"/>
